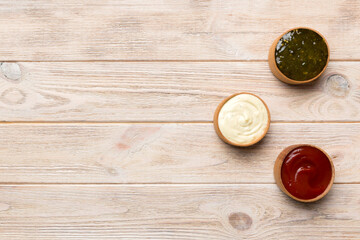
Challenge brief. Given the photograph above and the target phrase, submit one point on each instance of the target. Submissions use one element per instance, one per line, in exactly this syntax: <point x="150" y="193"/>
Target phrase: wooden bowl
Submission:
<point x="277" y="172"/>
<point x="276" y="71"/>
<point x="216" y="122"/>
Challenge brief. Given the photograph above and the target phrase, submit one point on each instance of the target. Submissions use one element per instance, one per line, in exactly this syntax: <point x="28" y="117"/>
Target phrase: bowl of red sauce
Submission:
<point x="304" y="172"/>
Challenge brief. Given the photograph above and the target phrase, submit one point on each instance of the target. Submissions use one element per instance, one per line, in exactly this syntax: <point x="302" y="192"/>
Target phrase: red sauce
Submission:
<point x="306" y="172"/>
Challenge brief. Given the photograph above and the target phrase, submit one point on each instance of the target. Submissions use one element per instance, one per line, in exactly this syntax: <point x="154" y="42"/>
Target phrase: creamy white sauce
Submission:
<point x="243" y="119"/>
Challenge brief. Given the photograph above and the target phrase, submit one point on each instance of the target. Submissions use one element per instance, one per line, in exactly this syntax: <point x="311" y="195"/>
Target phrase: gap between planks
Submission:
<point x="163" y="60"/>
<point x="152" y="184"/>
<point x="162" y="122"/>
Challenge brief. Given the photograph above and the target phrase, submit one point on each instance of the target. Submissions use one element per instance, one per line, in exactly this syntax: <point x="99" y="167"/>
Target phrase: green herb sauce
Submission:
<point x="301" y="54"/>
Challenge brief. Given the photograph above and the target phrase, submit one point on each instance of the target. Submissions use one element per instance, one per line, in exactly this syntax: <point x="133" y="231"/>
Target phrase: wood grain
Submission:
<point x="172" y="91"/>
<point x="166" y="29"/>
<point x="162" y="153"/>
<point x="110" y="106"/>
<point x="175" y="212"/>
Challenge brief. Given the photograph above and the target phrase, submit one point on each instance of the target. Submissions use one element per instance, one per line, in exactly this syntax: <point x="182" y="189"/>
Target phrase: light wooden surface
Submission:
<point x="69" y="30"/>
<point x="162" y="153"/>
<point x="212" y="211"/>
<point x="169" y="91"/>
<point x="106" y="120"/>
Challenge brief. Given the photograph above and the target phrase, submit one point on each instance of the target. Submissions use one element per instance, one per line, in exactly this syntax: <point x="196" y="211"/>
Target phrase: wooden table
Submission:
<point x="106" y="120"/>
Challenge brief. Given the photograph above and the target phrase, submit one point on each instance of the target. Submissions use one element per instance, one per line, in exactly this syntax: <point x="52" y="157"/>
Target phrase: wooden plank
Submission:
<point x="167" y="29"/>
<point x="177" y="212"/>
<point x="162" y="153"/>
<point x="175" y="91"/>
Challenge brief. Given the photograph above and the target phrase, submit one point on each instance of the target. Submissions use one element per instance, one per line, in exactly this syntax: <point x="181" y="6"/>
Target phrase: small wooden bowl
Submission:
<point x="277" y="172"/>
<point x="276" y="71"/>
<point x="216" y="122"/>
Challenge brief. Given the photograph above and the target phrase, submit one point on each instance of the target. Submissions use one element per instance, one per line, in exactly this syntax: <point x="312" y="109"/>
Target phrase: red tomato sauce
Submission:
<point x="306" y="172"/>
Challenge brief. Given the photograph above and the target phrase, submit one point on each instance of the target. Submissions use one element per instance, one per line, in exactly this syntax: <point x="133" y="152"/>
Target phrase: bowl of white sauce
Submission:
<point x="242" y="119"/>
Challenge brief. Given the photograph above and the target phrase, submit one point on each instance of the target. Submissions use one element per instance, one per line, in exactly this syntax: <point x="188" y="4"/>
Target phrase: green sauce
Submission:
<point x="301" y="54"/>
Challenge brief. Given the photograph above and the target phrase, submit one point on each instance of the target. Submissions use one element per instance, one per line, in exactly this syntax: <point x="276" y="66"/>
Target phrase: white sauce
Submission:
<point x="243" y="119"/>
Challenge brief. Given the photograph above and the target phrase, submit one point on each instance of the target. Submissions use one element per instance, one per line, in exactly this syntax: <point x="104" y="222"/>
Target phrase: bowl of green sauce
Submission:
<point x="298" y="56"/>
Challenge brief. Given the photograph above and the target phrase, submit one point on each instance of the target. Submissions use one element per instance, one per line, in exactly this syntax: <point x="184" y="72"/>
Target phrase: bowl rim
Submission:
<point x="282" y="75"/>
<point x="277" y="172"/>
<point x="216" y="122"/>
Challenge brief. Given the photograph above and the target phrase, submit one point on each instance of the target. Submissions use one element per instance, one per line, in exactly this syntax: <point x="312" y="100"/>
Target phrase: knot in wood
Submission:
<point x="11" y="71"/>
<point x="13" y="96"/>
<point x="337" y="85"/>
<point x="240" y="221"/>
